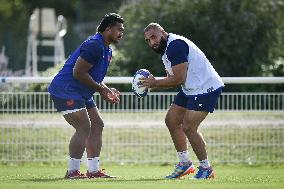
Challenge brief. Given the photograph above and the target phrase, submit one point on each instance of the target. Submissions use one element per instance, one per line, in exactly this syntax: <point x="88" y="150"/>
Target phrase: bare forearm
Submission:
<point x="104" y="85"/>
<point x="177" y="78"/>
<point x="88" y="81"/>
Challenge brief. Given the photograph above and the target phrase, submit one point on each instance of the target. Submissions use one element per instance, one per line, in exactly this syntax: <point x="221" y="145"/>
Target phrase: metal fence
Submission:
<point x="247" y="127"/>
<point x="41" y="102"/>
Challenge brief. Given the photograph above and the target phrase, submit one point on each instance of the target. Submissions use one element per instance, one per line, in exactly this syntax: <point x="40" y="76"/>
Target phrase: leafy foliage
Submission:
<point x="238" y="37"/>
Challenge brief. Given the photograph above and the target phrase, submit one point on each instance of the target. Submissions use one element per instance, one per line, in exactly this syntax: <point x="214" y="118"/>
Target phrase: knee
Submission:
<point x="84" y="131"/>
<point x="170" y="124"/>
<point x="99" y="124"/>
<point x="167" y="121"/>
<point x="97" y="128"/>
<point x="171" y="121"/>
<point x="189" y="127"/>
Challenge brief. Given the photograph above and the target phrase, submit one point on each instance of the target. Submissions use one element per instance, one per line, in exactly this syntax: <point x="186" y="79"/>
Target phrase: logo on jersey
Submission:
<point x="70" y="102"/>
<point x="209" y="90"/>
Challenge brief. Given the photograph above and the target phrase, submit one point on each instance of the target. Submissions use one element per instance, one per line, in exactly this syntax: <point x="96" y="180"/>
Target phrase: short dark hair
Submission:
<point x="153" y="26"/>
<point x="108" y="20"/>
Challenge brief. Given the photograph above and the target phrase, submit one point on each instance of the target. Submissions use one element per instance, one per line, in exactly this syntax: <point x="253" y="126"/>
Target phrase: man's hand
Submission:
<point x="149" y="82"/>
<point x="108" y="95"/>
<point x="115" y="97"/>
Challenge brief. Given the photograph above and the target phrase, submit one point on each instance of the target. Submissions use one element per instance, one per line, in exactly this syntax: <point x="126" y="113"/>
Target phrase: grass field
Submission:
<point x="249" y="137"/>
<point x="141" y="177"/>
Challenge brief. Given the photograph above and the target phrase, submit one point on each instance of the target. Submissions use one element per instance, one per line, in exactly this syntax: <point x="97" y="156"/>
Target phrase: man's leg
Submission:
<point x="80" y="121"/>
<point x="191" y="122"/>
<point x="173" y="121"/>
<point x="94" y="140"/>
<point x="94" y="145"/>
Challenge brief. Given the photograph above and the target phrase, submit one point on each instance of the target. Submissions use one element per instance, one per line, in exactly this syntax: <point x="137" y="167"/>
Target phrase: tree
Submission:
<point x="238" y="37"/>
<point x="15" y="15"/>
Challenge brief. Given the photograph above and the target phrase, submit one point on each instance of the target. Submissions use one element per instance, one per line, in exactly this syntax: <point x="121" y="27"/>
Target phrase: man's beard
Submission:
<point x="162" y="46"/>
<point x="114" y="40"/>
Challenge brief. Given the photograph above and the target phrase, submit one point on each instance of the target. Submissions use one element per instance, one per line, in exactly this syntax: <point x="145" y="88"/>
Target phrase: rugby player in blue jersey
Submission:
<point x="187" y="67"/>
<point x="72" y="92"/>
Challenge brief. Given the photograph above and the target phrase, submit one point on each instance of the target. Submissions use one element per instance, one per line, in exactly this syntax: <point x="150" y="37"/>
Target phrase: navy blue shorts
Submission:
<point x="65" y="105"/>
<point x="203" y="102"/>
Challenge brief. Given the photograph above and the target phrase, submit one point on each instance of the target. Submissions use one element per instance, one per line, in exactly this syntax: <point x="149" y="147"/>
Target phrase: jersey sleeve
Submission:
<point x="177" y="52"/>
<point x="91" y="52"/>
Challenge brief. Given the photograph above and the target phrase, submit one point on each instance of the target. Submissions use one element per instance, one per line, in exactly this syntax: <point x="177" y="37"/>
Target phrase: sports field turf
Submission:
<point x="143" y="137"/>
<point x="242" y="176"/>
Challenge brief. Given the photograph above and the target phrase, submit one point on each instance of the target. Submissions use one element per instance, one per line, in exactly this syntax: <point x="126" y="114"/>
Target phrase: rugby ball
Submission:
<point x="136" y="83"/>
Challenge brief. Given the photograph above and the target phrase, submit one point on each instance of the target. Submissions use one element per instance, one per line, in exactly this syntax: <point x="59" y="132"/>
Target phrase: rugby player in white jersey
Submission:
<point x="186" y="66"/>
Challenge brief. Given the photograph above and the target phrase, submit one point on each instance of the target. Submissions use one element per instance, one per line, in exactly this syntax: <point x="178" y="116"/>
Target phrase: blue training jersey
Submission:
<point x="93" y="50"/>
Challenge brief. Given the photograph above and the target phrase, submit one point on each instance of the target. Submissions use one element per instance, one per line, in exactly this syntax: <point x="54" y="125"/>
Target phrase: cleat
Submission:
<point x="74" y="175"/>
<point x="181" y="170"/>
<point x="99" y="174"/>
<point x="204" y="173"/>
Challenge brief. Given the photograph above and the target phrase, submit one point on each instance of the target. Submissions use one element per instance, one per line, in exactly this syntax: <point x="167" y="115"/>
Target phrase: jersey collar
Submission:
<point x="100" y="38"/>
<point x="166" y="45"/>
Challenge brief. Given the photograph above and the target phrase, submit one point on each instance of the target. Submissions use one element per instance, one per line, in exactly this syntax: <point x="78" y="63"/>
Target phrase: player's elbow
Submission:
<point x="179" y="80"/>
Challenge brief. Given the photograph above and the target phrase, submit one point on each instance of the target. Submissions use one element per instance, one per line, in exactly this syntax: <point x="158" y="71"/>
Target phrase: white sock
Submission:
<point x="93" y="164"/>
<point x="183" y="156"/>
<point x="73" y="164"/>
<point x="204" y="163"/>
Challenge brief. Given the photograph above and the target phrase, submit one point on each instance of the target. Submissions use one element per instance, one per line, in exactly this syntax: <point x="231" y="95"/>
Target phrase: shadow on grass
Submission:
<point x="130" y="180"/>
<point x="95" y="180"/>
<point x="42" y="179"/>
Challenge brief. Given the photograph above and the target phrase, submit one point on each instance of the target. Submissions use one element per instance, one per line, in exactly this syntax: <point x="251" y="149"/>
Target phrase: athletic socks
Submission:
<point x="93" y="164"/>
<point x="183" y="157"/>
<point x="73" y="164"/>
<point x="204" y="163"/>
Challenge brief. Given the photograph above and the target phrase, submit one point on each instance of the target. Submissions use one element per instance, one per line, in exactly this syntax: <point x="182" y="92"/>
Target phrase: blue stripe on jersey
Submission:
<point x="93" y="50"/>
<point x="177" y="52"/>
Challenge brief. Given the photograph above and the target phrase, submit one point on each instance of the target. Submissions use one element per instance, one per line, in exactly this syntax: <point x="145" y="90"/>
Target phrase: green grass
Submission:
<point x="144" y="144"/>
<point x="156" y="115"/>
<point x="229" y="141"/>
<point x="231" y="136"/>
<point x="142" y="177"/>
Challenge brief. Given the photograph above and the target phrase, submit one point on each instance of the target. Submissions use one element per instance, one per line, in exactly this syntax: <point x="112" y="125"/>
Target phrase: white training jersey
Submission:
<point x="201" y="76"/>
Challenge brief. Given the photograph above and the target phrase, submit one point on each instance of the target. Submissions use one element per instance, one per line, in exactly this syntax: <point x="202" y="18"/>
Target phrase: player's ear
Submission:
<point x="108" y="29"/>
